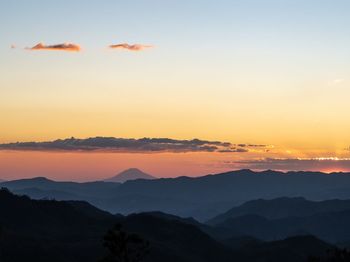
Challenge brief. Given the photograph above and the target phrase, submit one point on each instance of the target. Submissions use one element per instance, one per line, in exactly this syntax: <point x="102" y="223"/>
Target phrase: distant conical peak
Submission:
<point x="130" y="174"/>
<point x="132" y="169"/>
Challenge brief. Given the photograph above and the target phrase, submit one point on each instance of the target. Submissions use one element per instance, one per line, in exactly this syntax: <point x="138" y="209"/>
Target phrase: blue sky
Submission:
<point x="181" y="25"/>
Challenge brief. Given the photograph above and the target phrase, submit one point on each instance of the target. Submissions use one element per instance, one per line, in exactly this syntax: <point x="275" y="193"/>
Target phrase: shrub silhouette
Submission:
<point x="123" y="246"/>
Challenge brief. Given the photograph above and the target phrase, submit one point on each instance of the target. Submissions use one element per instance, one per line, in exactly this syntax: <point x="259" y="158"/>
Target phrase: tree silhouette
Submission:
<point x="123" y="246"/>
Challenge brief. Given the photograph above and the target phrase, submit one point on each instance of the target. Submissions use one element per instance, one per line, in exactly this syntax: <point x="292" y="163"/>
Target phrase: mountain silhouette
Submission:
<point x="332" y="227"/>
<point x="282" y="207"/>
<point x="50" y="230"/>
<point x="41" y="187"/>
<point x="42" y="230"/>
<point x="129" y="174"/>
<point x="73" y="231"/>
<point x="199" y="197"/>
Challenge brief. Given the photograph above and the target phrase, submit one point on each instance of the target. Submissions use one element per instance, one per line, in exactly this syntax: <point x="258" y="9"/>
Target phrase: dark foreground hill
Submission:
<point x="47" y="230"/>
<point x="50" y="230"/>
<point x="299" y="248"/>
<point x="201" y="197"/>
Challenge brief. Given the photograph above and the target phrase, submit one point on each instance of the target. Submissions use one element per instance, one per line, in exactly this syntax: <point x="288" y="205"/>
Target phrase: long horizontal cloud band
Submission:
<point x="297" y="164"/>
<point x="58" y="47"/>
<point x="130" y="145"/>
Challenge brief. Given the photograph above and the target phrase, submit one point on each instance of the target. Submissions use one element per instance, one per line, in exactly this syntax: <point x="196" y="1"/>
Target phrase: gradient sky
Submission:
<point x="272" y="72"/>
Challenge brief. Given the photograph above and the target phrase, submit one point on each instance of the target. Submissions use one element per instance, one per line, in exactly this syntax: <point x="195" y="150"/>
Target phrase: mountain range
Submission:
<point x="201" y="197"/>
<point x="332" y="227"/>
<point x="73" y="231"/>
<point x="281" y="208"/>
<point x="286" y="217"/>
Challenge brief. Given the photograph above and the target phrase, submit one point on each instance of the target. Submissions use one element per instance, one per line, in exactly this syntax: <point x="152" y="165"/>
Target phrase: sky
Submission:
<point x="272" y="72"/>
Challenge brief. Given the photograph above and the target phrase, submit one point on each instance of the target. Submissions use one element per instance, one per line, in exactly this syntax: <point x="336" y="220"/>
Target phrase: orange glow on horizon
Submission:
<point x="95" y="166"/>
<point x="91" y="166"/>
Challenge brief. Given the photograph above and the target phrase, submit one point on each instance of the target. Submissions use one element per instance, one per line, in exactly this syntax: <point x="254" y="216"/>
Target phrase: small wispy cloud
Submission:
<point x="57" y="47"/>
<point x="134" y="47"/>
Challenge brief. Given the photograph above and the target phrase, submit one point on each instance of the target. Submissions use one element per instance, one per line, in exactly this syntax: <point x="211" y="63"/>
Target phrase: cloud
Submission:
<point x="233" y="150"/>
<point x="327" y="164"/>
<point x="113" y="144"/>
<point x="252" y="145"/>
<point x="59" y="47"/>
<point x="134" y="47"/>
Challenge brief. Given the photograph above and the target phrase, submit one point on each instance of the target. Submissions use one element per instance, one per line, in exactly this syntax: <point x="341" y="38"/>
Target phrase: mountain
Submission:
<point x="73" y="231"/>
<point x="47" y="194"/>
<point x="293" y="249"/>
<point x="58" y="231"/>
<point x="199" y="197"/>
<point x="188" y="243"/>
<point x="173" y="240"/>
<point x="41" y="212"/>
<point x="41" y="187"/>
<point x="332" y="227"/>
<point x="129" y="174"/>
<point x="47" y="229"/>
<point x="282" y="207"/>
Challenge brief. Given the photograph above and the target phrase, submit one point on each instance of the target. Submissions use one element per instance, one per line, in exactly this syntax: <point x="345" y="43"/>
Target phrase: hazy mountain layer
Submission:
<point x="200" y="197"/>
<point x="282" y="207"/>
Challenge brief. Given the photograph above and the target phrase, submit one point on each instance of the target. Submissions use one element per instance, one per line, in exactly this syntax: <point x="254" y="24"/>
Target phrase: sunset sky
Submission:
<point x="273" y="73"/>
